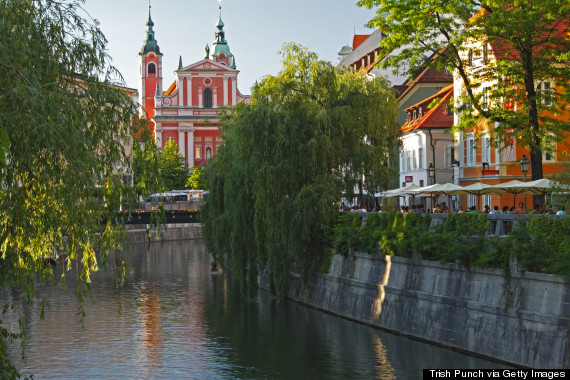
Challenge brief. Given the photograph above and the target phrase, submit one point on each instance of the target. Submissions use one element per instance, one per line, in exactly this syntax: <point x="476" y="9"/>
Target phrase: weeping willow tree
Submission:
<point x="309" y="134"/>
<point x="64" y="118"/>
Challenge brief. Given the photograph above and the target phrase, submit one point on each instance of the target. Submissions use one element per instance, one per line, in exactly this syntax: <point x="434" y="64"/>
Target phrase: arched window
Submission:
<point x="208" y="153"/>
<point x="152" y="68"/>
<point x="207" y="98"/>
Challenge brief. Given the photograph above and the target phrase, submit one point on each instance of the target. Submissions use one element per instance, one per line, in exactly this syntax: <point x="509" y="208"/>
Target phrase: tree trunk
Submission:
<point x="536" y="140"/>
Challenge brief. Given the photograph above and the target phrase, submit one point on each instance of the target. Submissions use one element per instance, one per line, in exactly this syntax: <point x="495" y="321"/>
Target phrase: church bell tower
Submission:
<point x="150" y="69"/>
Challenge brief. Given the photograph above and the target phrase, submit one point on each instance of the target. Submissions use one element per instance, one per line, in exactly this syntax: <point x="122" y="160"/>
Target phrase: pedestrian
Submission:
<point x="521" y="209"/>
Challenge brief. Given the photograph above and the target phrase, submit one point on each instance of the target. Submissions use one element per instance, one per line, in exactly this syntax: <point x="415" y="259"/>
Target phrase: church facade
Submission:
<point x="188" y="111"/>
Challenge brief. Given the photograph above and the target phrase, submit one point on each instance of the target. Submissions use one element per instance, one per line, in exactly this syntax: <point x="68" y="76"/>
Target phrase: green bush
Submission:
<point x="541" y="245"/>
<point x="346" y="233"/>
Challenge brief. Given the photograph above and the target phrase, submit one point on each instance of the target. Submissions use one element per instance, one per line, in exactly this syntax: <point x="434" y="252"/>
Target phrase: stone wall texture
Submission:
<point x="523" y="321"/>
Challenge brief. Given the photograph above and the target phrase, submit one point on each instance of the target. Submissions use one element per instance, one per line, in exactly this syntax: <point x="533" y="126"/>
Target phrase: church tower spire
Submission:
<point x="150" y="61"/>
<point x="221" y="49"/>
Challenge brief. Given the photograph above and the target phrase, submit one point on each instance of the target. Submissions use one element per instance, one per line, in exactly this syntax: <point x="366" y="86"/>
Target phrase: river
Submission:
<point x="179" y="319"/>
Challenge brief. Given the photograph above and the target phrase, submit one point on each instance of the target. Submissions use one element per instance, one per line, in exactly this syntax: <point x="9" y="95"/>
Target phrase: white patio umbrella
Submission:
<point x="545" y="185"/>
<point x="478" y="189"/>
<point x="405" y="190"/>
<point x="444" y="188"/>
<point x="514" y="187"/>
<point x="423" y="190"/>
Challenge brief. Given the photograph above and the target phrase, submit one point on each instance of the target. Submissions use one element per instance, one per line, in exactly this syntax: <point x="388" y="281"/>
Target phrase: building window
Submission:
<point x="421" y="183"/>
<point x="414" y="118"/>
<point x="545" y="90"/>
<point x="549" y="152"/>
<point x="487" y="201"/>
<point x="449" y="155"/>
<point x="470" y="57"/>
<point x="420" y="113"/>
<point x="471" y="200"/>
<point x="485" y="98"/>
<point x="208" y="153"/>
<point x="414" y="161"/>
<point x="198" y="152"/>
<point x="208" y="138"/>
<point x="485" y="53"/>
<point x="408" y="161"/>
<point x="470" y="151"/>
<point x="420" y="157"/>
<point x="151" y="68"/>
<point x="128" y="141"/>
<point x="207" y="98"/>
<point x="485" y="149"/>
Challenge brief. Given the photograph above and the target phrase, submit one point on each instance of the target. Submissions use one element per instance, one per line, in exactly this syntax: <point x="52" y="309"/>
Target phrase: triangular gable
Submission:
<point x="206" y="65"/>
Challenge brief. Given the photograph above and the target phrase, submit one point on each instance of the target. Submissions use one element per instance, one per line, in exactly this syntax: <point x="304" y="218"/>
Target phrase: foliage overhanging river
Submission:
<point x="180" y="320"/>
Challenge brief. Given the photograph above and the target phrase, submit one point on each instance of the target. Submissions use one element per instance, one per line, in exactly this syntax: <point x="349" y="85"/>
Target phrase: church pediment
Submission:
<point x="206" y="65"/>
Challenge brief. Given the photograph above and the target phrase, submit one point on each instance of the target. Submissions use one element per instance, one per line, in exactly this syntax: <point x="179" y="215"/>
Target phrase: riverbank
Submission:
<point x="521" y="320"/>
<point x="137" y="234"/>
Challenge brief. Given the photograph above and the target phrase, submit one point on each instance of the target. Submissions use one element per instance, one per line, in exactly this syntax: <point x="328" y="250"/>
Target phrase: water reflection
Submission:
<point x="180" y="320"/>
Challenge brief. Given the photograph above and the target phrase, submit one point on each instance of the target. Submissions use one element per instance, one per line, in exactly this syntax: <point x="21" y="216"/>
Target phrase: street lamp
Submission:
<point x="431" y="172"/>
<point x="485" y="167"/>
<point x="524" y="164"/>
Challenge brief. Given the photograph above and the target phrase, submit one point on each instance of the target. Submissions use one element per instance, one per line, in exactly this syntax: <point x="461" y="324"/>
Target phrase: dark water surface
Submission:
<point x="180" y="320"/>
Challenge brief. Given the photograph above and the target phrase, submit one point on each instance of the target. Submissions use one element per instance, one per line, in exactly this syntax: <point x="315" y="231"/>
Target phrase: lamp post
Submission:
<point x="524" y="164"/>
<point x="455" y="165"/>
<point x="485" y="167"/>
<point x="431" y="173"/>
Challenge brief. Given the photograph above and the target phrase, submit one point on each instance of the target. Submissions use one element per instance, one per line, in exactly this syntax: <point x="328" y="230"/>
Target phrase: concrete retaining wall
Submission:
<point x="180" y="231"/>
<point x="450" y="305"/>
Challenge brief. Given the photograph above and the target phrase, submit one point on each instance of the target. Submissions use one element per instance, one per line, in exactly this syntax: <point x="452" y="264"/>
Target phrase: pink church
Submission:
<point x="187" y="111"/>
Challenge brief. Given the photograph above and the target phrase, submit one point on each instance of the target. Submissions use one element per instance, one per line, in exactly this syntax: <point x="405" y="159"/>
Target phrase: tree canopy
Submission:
<point x="65" y="119"/>
<point x="530" y="43"/>
<point x="197" y="180"/>
<point x="309" y="134"/>
<point x="172" y="166"/>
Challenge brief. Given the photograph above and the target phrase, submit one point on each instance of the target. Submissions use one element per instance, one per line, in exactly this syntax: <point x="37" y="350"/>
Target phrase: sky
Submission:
<point x="255" y="30"/>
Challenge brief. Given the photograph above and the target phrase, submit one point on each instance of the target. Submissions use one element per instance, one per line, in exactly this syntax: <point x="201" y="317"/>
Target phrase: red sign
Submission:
<point x="490" y="172"/>
<point x="409" y="178"/>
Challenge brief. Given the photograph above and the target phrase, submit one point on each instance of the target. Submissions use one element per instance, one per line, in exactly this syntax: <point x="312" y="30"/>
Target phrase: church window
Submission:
<point x="152" y="68"/>
<point x="198" y="152"/>
<point x="207" y="98"/>
<point x="208" y="153"/>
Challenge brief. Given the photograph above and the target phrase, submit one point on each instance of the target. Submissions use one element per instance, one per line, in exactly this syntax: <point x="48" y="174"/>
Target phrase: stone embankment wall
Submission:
<point x="139" y="234"/>
<point x="523" y="321"/>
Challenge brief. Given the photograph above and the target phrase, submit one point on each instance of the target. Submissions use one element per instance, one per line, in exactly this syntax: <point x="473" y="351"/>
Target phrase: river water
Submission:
<point x="181" y="320"/>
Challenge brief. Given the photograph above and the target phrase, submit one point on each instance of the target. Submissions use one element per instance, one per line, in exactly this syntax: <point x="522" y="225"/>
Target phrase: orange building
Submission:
<point x="480" y="160"/>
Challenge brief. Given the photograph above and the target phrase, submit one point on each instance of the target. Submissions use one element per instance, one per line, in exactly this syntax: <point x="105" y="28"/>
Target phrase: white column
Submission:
<point x="181" y="142"/>
<point x="189" y="84"/>
<point x="200" y="97"/>
<point x="215" y="95"/>
<point x="158" y="136"/>
<point x="180" y="91"/>
<point x="225" y="90"/>
<point x="191" y="147"/>
<point x="234" y="91"/>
